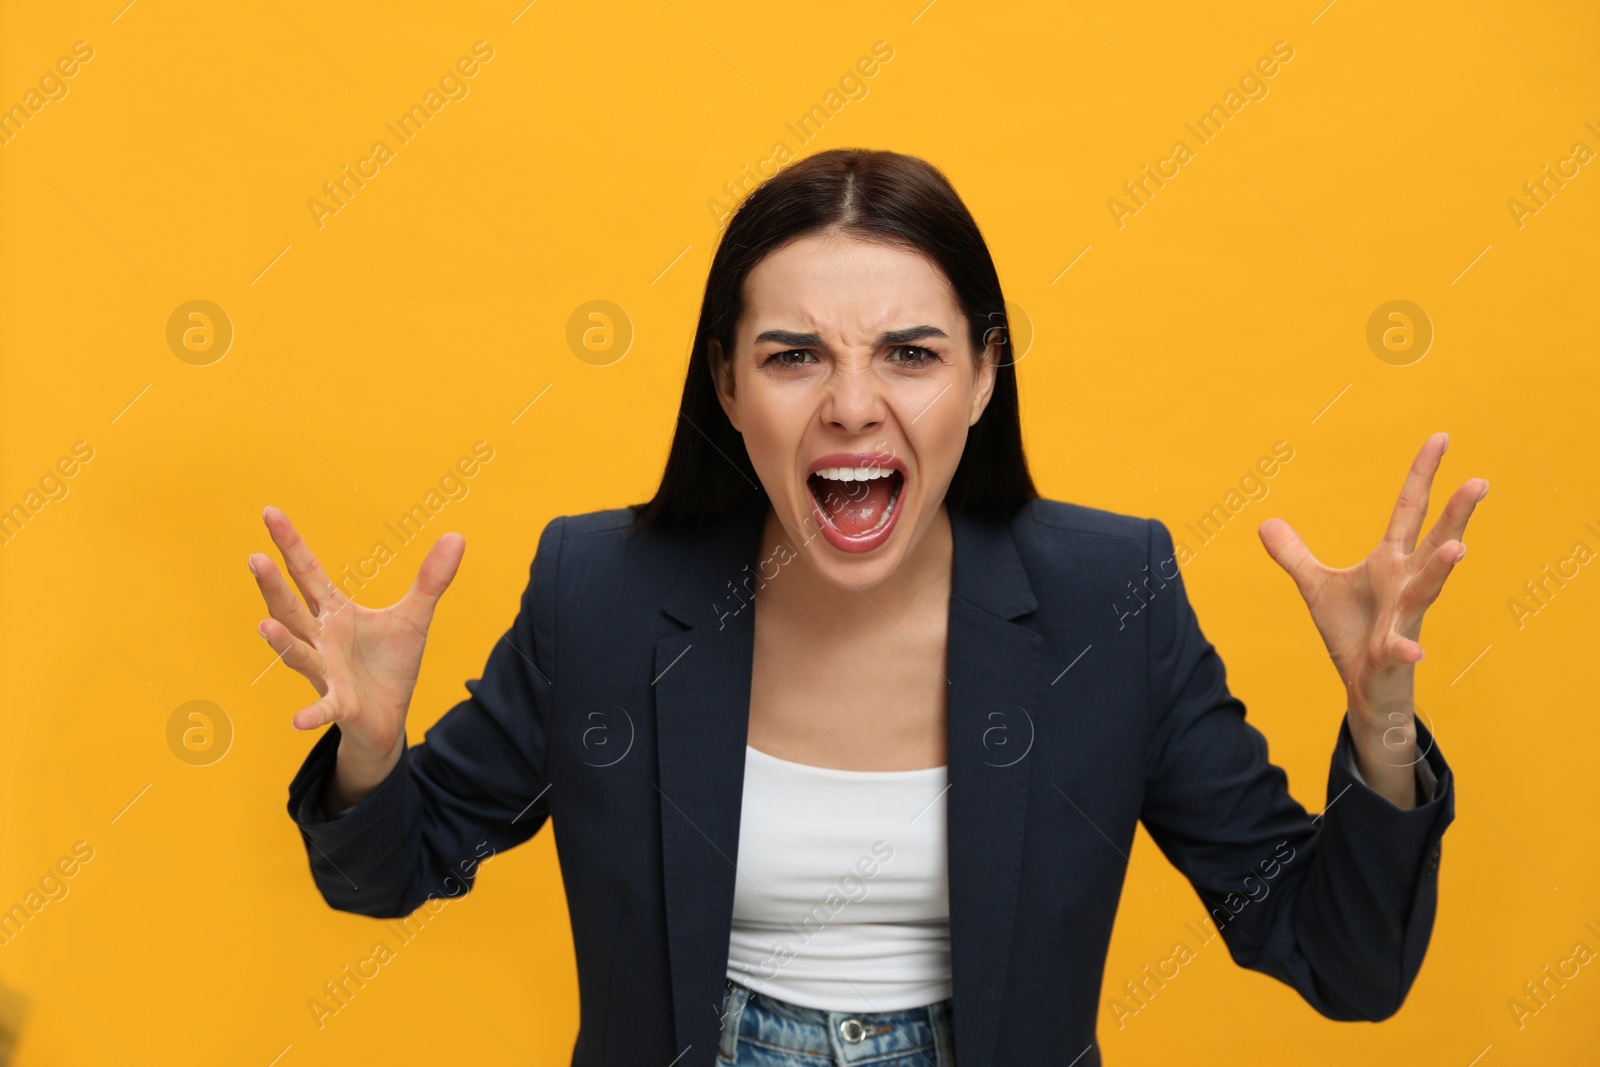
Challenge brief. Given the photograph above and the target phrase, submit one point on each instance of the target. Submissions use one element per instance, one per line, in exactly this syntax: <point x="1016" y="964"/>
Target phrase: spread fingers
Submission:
<point x="297" y="654"/>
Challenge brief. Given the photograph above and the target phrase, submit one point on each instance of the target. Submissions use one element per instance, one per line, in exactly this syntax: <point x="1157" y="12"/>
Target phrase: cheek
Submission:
<point x="938" y="444"/>
<point x="935" y="426"/>
<point x="773" y="424"/>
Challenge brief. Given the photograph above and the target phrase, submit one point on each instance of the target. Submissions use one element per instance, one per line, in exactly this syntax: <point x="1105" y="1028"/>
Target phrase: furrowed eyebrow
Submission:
<point x="811" y="340"/>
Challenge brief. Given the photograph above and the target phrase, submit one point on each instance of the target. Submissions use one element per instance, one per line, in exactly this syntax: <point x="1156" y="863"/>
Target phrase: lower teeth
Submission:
<point x="886" y="513"/>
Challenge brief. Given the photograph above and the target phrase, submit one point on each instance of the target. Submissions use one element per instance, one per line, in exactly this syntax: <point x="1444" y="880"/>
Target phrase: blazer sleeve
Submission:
<point x="475" y="785"/>
<point x="1339" y="905"/>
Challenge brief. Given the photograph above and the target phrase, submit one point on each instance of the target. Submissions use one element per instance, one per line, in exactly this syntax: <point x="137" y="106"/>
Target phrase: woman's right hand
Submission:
<point x="362" y="661"/>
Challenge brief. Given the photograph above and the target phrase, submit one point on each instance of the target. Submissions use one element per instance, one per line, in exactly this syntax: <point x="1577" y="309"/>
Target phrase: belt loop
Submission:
<point x="940" y="1015"/>
<point x="734" y="998"/>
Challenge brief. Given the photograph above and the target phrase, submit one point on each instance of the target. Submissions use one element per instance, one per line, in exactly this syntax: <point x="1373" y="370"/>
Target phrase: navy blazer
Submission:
<point x="1083" y="699"/>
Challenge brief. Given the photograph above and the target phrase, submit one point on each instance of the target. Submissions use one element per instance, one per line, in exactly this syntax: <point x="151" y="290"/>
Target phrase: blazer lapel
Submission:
<point x="702" y="702"/>
<point x="992" y="665"/>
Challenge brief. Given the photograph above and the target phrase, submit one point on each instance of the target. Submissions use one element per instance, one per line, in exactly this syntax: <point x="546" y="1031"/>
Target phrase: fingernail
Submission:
<point x="262" y="629"/>
<point x="1463" y="552"/>
<point x="1485" y="491"/>
<point x="252" y="564"/>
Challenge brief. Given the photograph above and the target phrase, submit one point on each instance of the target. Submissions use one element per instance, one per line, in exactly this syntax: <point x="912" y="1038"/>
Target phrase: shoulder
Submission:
<point x="606" y="549"/>
<point x="607" y="581"/>
<point x="607" y="525"/>
<point x="1063" y="519"/>
<point x="599" y="538"/>
<point x="1090" y="550"/>
<point x="1057" y="526"/>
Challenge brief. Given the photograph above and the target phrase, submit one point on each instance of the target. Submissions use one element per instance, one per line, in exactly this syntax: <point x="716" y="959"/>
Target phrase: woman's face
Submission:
<point x="853" y="383"/>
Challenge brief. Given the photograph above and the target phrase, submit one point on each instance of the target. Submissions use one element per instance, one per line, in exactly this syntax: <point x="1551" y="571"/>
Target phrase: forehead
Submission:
<point x="847" y="290"/>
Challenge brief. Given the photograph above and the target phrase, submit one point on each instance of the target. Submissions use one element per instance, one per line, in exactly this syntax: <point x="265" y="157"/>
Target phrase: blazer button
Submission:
<point x="852" y="1030"/>
<point x="1433" y="861"/>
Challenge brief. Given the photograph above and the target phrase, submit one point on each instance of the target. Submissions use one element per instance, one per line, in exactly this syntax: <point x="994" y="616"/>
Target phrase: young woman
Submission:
<point x="847" y="731"/>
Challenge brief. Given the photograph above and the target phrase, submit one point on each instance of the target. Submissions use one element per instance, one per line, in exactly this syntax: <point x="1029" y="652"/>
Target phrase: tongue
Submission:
<point x="853" y="507"/>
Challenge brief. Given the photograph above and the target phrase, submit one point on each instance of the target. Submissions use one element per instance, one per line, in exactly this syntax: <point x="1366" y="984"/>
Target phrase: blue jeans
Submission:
<point x="763" y="1031"/>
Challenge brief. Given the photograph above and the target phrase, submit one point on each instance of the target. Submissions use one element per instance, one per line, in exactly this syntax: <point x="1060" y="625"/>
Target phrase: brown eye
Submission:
<point x="919" y="355"/>
<point x="784" y="359"/>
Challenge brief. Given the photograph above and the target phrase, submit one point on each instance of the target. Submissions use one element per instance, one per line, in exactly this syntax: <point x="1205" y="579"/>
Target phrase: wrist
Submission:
<point x="1386" y="754"/>
<point x="359" y="769"/>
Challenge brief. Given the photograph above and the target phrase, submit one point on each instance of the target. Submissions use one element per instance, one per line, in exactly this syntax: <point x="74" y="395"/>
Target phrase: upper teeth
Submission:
<point x="854" y="474"/>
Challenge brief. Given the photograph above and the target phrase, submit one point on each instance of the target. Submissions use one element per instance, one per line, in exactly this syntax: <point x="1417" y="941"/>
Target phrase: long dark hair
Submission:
<point x="872" y="195"/>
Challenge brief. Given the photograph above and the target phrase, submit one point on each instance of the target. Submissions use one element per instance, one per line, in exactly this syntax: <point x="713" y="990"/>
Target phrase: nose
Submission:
<point x="854" y="402"/>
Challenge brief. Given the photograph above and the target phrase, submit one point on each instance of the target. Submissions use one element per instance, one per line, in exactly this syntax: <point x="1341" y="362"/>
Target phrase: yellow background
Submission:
<point x="369" y="354"/>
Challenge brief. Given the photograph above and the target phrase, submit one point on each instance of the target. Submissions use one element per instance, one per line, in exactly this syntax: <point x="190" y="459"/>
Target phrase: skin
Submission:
<point x="363" y="662"/>
<point x="1370" y="616"/>
<point x="874" y="622"/>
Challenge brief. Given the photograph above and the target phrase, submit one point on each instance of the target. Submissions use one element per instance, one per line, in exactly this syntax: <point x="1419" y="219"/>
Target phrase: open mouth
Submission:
<point x="857" y="506"/>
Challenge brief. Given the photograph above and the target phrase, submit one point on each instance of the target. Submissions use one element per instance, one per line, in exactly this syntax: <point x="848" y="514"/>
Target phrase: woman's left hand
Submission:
<point x="1370" y="615"/>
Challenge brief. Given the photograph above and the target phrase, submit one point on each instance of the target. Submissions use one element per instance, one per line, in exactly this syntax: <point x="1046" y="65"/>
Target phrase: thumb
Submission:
<point x="318" y="714"/>
<point x="438" y="569"/>
<point x="1289" y="552"/>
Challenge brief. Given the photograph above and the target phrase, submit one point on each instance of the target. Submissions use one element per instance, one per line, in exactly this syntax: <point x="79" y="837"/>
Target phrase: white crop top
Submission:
<point x="841" y="898"/>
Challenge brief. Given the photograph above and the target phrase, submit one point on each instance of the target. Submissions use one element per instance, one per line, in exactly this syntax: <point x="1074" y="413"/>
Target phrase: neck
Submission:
<point x="921" y="582"/>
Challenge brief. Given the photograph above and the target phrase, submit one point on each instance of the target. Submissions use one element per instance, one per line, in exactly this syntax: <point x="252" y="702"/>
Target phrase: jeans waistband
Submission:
<point x="849" y="1035"/>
